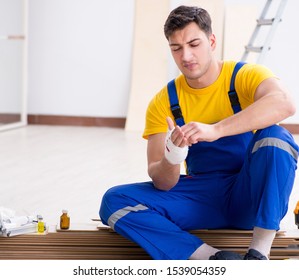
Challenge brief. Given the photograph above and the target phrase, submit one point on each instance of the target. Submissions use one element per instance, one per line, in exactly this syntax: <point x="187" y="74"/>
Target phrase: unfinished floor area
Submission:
<point x="45" y="169"/>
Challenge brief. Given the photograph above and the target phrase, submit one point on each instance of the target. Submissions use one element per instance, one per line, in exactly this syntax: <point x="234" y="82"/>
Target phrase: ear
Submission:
<point x="213" y="41"/>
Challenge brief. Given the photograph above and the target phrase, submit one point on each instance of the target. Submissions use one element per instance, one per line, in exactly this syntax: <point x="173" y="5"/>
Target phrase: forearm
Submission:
<point x="165" y="154"/>
<point x="268" y="110"/>
<point x="163" y="174"/>
<point x="272" y="104"/>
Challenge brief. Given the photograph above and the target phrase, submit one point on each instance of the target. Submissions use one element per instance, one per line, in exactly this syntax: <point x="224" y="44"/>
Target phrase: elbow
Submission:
<point x="286" y="106"/>
<point x="163" y="187"/>
<point x="292" y="110"/>
<point x="163" y="183"/>
<point x="164" y="175"/>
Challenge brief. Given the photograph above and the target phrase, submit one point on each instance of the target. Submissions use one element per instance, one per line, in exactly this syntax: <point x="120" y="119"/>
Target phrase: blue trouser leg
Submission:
<point x="261" y="192"/>
<point x="145" y="225"/>
<point x="159" y="221"/>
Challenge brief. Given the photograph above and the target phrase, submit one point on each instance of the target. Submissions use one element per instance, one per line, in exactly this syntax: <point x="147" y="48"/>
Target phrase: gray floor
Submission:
<point x="44" y="169"/>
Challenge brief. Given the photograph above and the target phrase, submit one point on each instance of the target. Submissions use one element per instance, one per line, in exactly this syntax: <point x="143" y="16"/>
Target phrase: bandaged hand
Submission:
<point x="174" y="154"/>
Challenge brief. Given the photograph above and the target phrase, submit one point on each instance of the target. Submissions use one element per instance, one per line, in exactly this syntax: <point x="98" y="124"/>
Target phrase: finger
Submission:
<point x="170" y="123"/>
<point x="178" y="137"/>
<point x="185" y="143"/>
<point x="191" y="136"/>
<point x="191" y="133"/>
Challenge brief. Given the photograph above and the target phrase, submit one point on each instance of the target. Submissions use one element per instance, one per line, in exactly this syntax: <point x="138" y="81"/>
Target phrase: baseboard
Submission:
<point x="101" y="121"/>
<point x="9" y="118"/>
<point x="76" y="121"/>
<point x="291" y="127"/>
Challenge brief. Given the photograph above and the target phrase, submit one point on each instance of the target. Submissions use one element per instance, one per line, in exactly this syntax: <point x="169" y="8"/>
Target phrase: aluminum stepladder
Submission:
<point x="263" y="21"/>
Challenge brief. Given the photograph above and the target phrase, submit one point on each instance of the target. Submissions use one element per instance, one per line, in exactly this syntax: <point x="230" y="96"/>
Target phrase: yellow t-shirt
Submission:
<point x="207" y="105"/>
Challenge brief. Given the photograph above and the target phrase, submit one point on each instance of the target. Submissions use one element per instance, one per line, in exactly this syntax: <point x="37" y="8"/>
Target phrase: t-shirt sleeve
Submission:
<point x="157" y="112"/>
<point x="250" y="76"/>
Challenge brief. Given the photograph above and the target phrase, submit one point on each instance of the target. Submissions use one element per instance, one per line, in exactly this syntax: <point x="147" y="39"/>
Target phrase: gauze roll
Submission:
<point x="174" y="154"/>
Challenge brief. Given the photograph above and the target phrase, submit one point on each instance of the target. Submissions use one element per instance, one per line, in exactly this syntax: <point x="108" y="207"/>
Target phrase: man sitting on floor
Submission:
<point x="219" y="117"/>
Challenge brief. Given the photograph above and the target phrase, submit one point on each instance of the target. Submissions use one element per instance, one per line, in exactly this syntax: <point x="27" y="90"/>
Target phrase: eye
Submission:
<point x="175" y="49"/>
<point x="194" y="45"/>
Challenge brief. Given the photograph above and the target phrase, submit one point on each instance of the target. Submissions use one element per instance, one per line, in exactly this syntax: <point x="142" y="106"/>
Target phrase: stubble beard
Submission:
<point x="199" y="73"/>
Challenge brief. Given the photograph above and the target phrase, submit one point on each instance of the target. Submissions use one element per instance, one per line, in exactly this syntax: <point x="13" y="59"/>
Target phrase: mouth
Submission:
<point x="189" y="66"/>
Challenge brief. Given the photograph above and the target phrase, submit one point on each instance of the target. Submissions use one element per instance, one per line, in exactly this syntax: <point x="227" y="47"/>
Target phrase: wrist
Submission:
<point x="174" y="154"/>
<point x="219" y="130"/>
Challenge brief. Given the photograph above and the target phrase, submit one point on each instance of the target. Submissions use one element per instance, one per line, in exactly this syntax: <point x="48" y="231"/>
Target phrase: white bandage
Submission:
<point x="174" y="154"/>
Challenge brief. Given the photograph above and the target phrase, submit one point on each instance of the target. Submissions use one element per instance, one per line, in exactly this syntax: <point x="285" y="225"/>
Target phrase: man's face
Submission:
<point x="192" y="51"/>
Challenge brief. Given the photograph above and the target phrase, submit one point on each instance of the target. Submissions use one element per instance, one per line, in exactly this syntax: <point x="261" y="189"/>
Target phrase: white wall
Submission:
<point x="11" y="56"/>
<point x="80" y="55"/>
<point x="283" y="58"/>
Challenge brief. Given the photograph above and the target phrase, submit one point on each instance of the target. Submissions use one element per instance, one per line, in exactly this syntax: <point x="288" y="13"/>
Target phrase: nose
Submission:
<point x="186" y="54"/>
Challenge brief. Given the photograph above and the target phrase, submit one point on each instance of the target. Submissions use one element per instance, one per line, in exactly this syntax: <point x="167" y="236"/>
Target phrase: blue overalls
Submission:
<point x="236" y="182"/>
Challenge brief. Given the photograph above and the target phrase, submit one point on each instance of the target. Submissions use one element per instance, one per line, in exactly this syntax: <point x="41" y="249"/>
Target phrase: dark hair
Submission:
<point x="183" y="15"/>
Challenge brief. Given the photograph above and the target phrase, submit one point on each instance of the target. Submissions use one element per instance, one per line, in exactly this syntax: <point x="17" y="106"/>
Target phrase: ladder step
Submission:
<point x="253" y="49"/>
<point x="264" y="21"/>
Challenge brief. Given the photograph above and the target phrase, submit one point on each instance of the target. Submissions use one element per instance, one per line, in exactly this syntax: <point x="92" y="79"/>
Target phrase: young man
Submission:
<point x="240" y="164"/>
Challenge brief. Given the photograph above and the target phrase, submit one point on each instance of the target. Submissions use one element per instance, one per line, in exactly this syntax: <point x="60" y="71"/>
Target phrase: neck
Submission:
<point x="209" y="77"/>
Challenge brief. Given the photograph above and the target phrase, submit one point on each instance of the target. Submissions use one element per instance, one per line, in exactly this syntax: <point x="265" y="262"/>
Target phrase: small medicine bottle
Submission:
<point x="64" y="220"/>
<point x="40" y="224"/>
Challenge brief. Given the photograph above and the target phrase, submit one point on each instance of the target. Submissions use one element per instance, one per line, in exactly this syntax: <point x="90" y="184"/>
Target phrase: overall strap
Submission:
<point x="233" y="96"/>
<point x="174" y="104"/>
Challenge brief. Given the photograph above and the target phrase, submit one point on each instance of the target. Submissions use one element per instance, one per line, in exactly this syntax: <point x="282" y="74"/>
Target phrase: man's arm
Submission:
<point x="272" y="105"/>
<point x="164" y="174"/>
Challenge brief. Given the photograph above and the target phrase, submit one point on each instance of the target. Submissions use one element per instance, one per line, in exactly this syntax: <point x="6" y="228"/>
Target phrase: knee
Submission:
<point x="109" y="203"/>
<point x="275" y="137"/>
<point x="276" y="134"/>
<point x="275" y="131"/>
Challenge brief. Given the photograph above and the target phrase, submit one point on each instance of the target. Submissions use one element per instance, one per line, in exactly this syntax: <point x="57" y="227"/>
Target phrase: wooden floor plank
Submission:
<point x="104" y="243"/>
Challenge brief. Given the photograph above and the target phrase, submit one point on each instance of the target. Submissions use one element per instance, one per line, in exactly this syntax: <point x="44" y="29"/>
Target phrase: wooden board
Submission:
<point x="96" y="242"/>
<point x="240" y="21"/>
<point x="150" y="64"/>
<point x="150" y="59"/>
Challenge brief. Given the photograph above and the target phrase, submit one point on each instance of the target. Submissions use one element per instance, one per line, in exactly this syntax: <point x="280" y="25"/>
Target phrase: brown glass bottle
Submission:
<point x="64" y="220"/>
